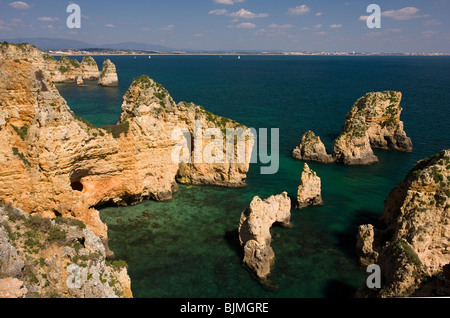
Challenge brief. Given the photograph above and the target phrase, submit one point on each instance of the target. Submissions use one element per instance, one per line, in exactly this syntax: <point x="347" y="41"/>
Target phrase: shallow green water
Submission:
<point x="189" y="247"/>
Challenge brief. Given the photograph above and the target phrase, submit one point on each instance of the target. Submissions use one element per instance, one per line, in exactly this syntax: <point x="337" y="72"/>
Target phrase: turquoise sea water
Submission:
<point x="189" y="247"/>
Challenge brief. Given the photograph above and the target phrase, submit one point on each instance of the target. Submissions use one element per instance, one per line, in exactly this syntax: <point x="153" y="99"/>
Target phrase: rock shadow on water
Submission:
<point x="337" y="289"/>
<point x="346" y="240"/>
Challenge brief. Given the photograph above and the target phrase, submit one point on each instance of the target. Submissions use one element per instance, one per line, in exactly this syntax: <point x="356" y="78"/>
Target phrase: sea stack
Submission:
<point x="352" y="147"/>
<point x="254" y="231"/>
<point x="381" y="112"/>
<point x="89" y="69"/>
<point x="108" y="76"/>
<point x="373" y="122"/>
<point x="309" y="191"/>
<point x="412" y="245"/>
<point x="311" y="148"/>
<point x="80" y="81"/>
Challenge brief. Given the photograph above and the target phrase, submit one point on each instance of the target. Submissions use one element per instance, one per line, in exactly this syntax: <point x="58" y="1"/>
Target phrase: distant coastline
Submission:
<point x="133" y="53"/>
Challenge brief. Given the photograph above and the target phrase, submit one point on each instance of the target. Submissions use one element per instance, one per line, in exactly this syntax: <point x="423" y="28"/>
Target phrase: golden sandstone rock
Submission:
<point x="373" y="122"/>
<point x="254" y="231"/>
<point x="412" y="248"/>
<point x="53" y="163"/>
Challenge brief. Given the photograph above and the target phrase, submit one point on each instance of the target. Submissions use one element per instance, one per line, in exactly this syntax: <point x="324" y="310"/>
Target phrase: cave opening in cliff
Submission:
<point x="77" y="186"/>
<point x="75" y="180"/>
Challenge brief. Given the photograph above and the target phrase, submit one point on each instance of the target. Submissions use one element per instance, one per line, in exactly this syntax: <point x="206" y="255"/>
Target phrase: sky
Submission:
<point x="282" y="25"/>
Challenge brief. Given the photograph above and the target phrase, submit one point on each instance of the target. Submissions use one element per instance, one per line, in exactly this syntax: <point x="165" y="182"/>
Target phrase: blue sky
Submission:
<point x="290" y="25"/>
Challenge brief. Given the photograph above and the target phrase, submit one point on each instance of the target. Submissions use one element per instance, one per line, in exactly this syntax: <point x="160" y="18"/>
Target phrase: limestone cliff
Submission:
<point x="55" y="258"/>
<point x="254" y="231"/>
<point x="108" y="76"/>
<point x="311" y="148"/>
<point x="310" y="189"/>
<point x="412" y="246"/>
<point x="381" y="112"/>
<point x="89" y="69"/>
<point x="64" y="70"/>
<point x="352" y="147"/>
<point x="53" y="163"/>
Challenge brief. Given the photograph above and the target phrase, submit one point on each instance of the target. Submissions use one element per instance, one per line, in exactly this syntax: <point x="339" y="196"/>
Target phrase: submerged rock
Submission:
<point x="254" y="231"/>
<point x="310" y="189"/>
<point x="414" y="241"/>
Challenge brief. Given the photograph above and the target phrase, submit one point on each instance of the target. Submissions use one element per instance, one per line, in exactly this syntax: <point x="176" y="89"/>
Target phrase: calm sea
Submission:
<point x="189" y="247"/>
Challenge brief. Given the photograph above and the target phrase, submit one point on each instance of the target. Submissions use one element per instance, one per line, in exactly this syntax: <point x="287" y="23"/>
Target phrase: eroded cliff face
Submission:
<point x="373" y="122"/>
<point x="63" y="70"/>
<point x="254" y="231"/>
<point x="55" y="258"/>
<point x="53" y="163"/>
<point x="352" y="147"/>
<point x="412" y="246"/>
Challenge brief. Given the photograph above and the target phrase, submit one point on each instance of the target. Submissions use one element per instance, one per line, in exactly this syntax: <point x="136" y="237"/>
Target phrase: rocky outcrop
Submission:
<point x="12" y="288"/>
<point x="352" y="147"/>
<point x="64" y="70"/>
<point x="89" y="69"/>
<point x="413" y="242"/>
<point x="108" y="76"/>
<point x="310" y="189"/>
<point x="311" y="148"/>
<point x="381" y="112"/>
<point x="80" y="81"/>
<point x="254" y="231"/>
<point x="58" y="258"/>
<point x="53" y="163"/>
<point x="373" y="122"/>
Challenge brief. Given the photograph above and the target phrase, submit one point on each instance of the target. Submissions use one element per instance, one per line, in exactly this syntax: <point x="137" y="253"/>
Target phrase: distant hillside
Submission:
<point x="137" y="46"/>
<point x="51" y="43"/>
<point x="66" y="44"/>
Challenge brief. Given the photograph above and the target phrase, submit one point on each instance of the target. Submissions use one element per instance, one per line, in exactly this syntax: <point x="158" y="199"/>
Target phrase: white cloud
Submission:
<point x="20" y="5"/>
<point x="402" y="14"/>
<point x="432" y="22"/>
<point x="336" y="26"/>
<point x="245" y="25"/>
<point x="3" y="27"/>
<point x="299" y="10"/>
<point x="198" y="35"/>
<point x="363" y="18"/>
<point x="228" y="2"/>
<point x="245" y="14"/>
<point x="280" y="27"/>
<point x="429" y="33"/>
<point x="318" y="14"/>
<point x="48" y="19"/>
<point x="218" y="12"/>
<point x="109" y="25"/>
<point x="168" y="28"/>
<point x="318" y="26"/>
